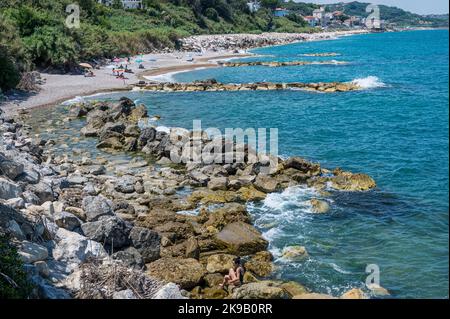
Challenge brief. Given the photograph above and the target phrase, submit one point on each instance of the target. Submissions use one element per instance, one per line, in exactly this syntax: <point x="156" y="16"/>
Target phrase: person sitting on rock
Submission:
<point x="235" y="276"/>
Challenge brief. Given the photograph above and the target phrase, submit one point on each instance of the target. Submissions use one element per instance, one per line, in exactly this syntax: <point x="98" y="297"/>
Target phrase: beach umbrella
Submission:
<point x="116" y="60"/>
<point x="139" y="61"/>
<point x="86" y="65"/>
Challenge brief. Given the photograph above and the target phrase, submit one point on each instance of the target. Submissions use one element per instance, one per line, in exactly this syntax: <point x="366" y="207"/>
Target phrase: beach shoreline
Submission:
<point x="59" y="88"/>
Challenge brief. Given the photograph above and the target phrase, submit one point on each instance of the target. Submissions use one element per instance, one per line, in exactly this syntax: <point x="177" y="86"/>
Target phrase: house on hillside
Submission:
<point x="127" y="4"/>
<point x="312" y="21"/>
<point x="280" y="12"/>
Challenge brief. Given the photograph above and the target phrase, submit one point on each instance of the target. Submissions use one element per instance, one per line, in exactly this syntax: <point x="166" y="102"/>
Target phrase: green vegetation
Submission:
<point x="14" y="283"/>
<point x="33" y="32"/>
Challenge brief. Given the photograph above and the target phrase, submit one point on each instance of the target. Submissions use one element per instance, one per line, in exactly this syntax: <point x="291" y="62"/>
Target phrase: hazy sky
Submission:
<point x="416" y="6"/>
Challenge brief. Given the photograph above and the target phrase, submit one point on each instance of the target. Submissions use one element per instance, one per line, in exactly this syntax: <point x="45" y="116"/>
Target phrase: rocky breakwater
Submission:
<point x="229" y="42"/>
<point x="214" y="86"/>
<point x="187" y="220"/>
<point x="275" y="64"/>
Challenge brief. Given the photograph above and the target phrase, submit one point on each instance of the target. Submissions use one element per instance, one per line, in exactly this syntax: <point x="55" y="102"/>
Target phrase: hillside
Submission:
<point x="33" y="34"/>
<point x="391" y="15"/>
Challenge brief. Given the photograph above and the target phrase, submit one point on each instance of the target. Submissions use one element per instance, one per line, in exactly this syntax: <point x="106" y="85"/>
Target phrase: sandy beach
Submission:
<point x="58" y="88"/>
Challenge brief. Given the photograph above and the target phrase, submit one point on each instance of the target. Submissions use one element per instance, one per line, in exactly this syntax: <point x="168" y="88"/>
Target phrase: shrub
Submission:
<point x="14" y="283"/>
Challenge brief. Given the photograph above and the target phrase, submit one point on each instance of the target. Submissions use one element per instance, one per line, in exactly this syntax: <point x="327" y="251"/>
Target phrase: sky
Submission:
<point x="416" y="6"/>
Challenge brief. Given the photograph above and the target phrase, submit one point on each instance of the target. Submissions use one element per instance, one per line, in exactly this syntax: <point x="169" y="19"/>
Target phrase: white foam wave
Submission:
<point x="369" y="82"/>
<point x="75" y="100"/>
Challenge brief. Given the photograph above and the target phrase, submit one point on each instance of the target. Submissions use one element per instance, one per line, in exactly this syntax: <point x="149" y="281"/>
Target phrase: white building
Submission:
<point x="127" y="4"/>
<point x="319" y="13"/>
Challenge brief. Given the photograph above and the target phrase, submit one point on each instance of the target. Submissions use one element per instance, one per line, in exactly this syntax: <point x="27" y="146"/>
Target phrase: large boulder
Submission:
<point x="72" y="249"/>
<point x="147" y="242"/>
<point x="10" y="168"/>
<point x="266" y="184"/>
<point x="355" y="293"/>
<point x="9" y="189"/>
<point x="187" y="273"/>
<point x="130" y="257"/>
<point x="261" y="290"/>
<point x="31" y="252"/>
<point x="294" y="253"/>
<point x="169" y="291"/>
<point x="220" y="263"/>
<point x="319" y="206"/>
<point x="110" y="230"/>
<point x="44" y="191"/>
<point x="96" y="207"/>
<point x="302" y="165"/>
<point x="67" y="220"/>
<point x="241" y="239"/>
<point x="260" y="264"/>
<point x="346" y="181"/>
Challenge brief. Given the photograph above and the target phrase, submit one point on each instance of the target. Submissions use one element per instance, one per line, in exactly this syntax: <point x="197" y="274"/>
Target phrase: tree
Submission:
<point x="270" y="4"/>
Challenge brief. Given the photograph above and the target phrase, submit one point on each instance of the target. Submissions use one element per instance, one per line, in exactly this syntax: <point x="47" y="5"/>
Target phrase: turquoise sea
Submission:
<point x="396" y="131"/>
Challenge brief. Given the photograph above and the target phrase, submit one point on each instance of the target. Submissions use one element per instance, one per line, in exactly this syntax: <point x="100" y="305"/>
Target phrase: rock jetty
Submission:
<point x="214" y="86"/>
<point x="227" y="42"/>
<point x="280" y="64"/>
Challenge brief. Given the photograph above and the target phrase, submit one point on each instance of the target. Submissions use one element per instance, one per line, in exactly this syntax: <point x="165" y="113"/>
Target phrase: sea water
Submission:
<point x="396" y="130"/>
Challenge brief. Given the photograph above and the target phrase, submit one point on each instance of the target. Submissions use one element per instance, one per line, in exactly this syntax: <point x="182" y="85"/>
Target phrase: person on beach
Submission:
<point x="235" y="275"/>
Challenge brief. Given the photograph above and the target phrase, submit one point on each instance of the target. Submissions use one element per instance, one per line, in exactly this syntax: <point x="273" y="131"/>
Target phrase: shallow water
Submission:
<point x="396" y="131"/>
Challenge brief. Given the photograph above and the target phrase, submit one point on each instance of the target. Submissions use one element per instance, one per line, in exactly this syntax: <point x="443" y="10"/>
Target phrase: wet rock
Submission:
<point x="96" y="207"/>
<point x="110" y="230"/>
<point x="294" y="252"/>
<point x="67" y="221"/>
<point x="187" y="273"/>
<point x="16" y="203"/>
<point x="42" y="268"/>
<point x="241" y="239"/>
<point x="319" y="206"/>
<point x="346" y="181"/>
<point x="378" y="291"/>
<point x="147" y="242"/>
